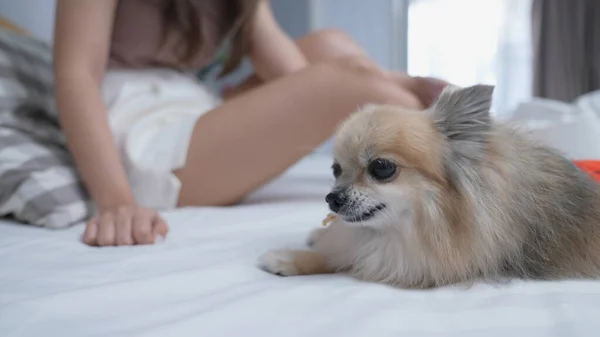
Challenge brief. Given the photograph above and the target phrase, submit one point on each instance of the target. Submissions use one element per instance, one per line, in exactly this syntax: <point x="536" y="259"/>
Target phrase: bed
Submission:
<point x="203" y="281"/>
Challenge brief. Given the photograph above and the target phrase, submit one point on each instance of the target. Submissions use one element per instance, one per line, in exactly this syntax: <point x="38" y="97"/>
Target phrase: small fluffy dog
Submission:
<point x="446" y="196"/>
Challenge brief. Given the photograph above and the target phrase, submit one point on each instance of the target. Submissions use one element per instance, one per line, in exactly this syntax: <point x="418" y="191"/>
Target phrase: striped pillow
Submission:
<point x="38" y="181"/>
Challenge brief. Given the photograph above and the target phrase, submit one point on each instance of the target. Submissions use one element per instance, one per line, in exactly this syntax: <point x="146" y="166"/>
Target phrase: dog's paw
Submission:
<point x="278" y="262"/>
<point x="314" y="236"/>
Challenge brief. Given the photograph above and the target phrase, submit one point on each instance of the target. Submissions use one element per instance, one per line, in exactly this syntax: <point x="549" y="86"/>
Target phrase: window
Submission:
<point x="473" y="41"/>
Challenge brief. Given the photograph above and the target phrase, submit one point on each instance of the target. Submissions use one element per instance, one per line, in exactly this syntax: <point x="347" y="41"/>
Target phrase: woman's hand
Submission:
<point x="426" y="89"/>
<point x="125" y="226"/>
<point x="81" y="48"/>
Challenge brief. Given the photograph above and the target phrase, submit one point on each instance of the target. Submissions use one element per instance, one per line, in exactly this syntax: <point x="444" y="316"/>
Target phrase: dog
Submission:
<point x="445" y="196"/>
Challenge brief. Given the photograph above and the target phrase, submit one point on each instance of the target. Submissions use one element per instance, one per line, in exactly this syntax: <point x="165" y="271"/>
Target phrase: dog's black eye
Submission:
<point x="381" y="169"/>
<point x="337" y="170"/>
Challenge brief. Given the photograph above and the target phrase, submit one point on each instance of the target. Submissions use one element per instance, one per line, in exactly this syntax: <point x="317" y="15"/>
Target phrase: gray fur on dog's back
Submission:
<point x="558" y="211"/>
<point x="527" y="210"/>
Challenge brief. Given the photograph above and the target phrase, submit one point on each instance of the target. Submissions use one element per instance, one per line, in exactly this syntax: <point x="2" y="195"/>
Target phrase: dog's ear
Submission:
<point x="463" y="114"/>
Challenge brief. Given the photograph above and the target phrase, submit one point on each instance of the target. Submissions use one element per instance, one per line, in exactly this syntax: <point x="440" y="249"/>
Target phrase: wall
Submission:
<point x="37" y="16"/>
<point x="369" y="22"/>
<point x="293" y="16"/>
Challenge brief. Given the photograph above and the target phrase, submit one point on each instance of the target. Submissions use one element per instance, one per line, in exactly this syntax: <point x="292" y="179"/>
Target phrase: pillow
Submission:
<point x="38" y="182"/>
<point x="564" y="126"/>
<point x="590" y="102"/>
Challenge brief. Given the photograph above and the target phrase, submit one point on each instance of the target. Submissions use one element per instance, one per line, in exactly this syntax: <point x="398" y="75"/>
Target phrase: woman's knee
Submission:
<point x="326" y="36"/>
<point x="367" y="80"/>
<point x="359" y="67"/>
<point x="329" y="44"/>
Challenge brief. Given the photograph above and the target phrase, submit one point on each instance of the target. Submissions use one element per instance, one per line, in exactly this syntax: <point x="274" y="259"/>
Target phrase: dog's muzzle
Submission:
<point x="336" y="200"/>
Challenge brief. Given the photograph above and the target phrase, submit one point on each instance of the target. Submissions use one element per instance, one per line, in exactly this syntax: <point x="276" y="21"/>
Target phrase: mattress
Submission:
<point x="203" y="281"/>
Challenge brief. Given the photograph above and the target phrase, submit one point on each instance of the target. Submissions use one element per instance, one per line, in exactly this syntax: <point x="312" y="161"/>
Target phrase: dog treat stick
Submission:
<point x="330" y="217"/>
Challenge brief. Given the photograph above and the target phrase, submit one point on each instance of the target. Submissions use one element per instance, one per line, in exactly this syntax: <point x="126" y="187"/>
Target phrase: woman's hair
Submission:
<point x="184" y="17"/>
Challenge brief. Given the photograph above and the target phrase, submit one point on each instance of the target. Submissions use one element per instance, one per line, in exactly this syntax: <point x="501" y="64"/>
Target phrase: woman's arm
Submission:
<point x="82" y="38"/>
<point x="273" y="53"/>
<point x="81" y="46"/>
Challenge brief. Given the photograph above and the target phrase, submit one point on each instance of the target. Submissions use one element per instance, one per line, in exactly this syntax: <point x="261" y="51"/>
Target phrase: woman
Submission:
<point x="146" y="136"/>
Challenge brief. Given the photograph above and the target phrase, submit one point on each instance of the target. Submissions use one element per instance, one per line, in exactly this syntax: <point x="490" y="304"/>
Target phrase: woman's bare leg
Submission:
<point x="320" y="46"/>
<point x="255" y="136"/>
<point x="330" y="44"/>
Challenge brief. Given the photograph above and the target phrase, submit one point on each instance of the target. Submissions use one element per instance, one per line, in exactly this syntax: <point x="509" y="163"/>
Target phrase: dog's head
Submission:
<point x="387" y="160"/>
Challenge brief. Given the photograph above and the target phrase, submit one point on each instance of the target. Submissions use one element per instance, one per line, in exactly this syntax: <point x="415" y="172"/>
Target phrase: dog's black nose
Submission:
<point x="336" y="200"/>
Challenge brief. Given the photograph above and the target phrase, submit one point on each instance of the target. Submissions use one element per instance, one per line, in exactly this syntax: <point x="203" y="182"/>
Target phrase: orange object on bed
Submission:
<point x="590" y="166"/>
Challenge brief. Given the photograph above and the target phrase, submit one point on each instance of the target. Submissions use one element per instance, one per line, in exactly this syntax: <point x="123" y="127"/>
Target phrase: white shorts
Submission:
<point x="152" y="114"/>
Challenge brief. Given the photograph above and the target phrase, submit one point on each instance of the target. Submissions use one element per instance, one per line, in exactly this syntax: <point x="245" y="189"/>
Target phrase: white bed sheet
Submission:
<point x="203" y="282"/>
